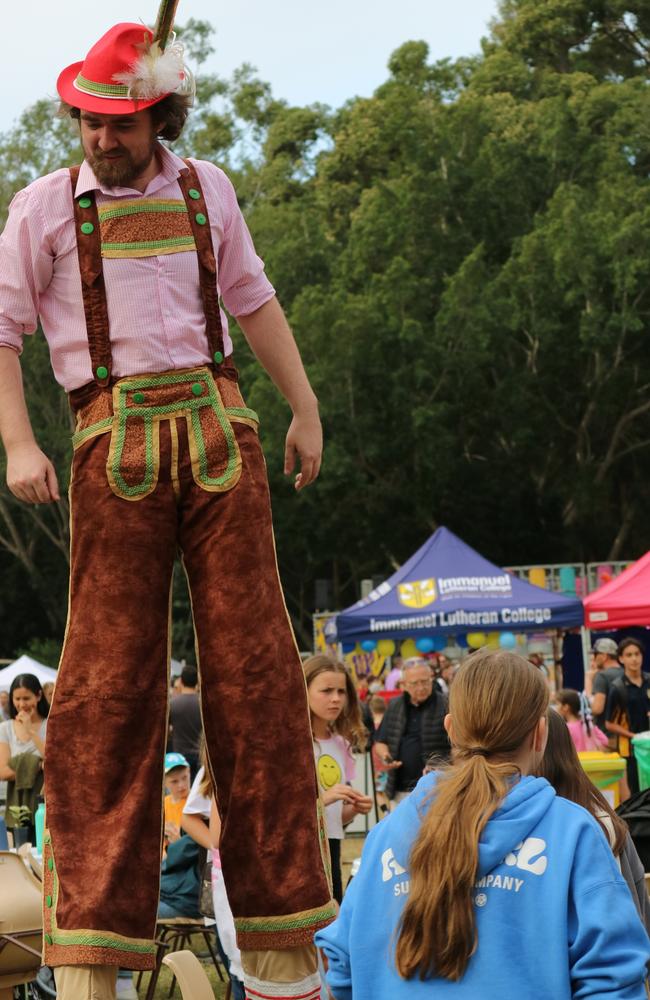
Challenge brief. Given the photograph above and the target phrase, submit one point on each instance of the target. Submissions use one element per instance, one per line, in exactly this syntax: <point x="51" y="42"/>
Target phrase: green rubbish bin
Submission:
<point x="641" y="747"/>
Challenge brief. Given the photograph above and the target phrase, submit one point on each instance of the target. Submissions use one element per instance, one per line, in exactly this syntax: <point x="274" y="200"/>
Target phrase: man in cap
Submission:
<point x="124" y="260"/>
<point x="605" y="669"/>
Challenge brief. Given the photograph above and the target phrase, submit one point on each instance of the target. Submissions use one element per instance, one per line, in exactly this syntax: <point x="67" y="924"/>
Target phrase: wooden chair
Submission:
<point x="21" y="924"/>
<point x="175" y="934"/>
<point x="190" y="974"/>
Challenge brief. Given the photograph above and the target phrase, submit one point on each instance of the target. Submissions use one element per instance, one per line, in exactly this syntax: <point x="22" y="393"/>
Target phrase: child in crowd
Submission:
<point x="337" y="729"/>
<point x="574" y="709"/>
<point x="201" y="821"/>
<point x="561" y="767"/>
<point x="484" y="882"/>
<point x="177" y="787"/>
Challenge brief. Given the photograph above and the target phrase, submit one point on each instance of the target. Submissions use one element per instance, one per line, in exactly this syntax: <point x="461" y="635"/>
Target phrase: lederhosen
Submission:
<point x="164" y="463"/>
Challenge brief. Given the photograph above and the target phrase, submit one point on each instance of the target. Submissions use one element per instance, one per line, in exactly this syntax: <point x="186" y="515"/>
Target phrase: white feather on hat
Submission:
<point x="157" y="72"/>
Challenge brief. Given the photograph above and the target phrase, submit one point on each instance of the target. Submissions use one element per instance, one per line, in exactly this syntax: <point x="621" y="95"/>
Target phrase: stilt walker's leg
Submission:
<point x="256" y="722"/>
<point x="107" y="728"/>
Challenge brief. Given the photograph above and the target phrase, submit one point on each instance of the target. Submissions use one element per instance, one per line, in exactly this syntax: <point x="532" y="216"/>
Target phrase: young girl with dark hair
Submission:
<point x="22" y="746"/>
<point x="485" y="883"/>
<point x="575" y="711"/>
<point x="337" y="728"/>
<point x="561" y="767"/>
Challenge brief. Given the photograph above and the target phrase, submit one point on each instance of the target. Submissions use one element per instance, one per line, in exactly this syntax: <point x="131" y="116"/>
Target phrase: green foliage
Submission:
<point x="463" y="257"/>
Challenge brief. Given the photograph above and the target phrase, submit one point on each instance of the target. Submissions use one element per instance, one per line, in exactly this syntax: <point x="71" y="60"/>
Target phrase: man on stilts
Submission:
<point x="124" y="260"/>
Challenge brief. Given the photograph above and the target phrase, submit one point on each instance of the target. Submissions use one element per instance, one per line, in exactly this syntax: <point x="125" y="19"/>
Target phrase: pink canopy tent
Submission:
<point x="623" y="601"/>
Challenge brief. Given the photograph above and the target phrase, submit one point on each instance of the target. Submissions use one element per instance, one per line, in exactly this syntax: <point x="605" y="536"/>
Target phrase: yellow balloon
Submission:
<point x="385" y="647"/>
<point x="492" y="640"/>
<point x="476" y="639"/>
<point x="408" y="649"/>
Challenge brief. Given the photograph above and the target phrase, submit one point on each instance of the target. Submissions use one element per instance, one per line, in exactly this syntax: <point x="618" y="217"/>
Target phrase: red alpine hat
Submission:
<point x="124" y="72"/>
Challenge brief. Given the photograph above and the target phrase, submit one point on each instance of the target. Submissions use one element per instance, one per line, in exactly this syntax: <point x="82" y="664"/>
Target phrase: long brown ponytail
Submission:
<point x="496" y="700"/>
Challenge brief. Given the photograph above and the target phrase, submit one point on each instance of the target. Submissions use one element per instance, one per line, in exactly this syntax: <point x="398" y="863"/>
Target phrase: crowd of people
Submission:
<point x="474" y="840"/>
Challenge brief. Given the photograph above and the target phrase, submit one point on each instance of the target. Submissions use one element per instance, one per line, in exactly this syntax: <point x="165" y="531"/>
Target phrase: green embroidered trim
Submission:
<point x="119" y="212"/>
<point x="99" y="428"/>
<point x="243" y="413"/>
<point x="93" y="939"/>
<point x="113" y="89"/>
<point x="265" y="925"/>
<point x="190" y="407"/>
<point x="173" y="241"/>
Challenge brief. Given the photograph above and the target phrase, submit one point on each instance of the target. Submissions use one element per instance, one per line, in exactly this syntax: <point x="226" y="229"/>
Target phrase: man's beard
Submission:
<point x="120" y="172"/>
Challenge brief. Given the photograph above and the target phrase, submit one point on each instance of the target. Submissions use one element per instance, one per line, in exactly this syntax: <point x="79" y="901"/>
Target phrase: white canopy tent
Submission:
<point x="25" y="665"/>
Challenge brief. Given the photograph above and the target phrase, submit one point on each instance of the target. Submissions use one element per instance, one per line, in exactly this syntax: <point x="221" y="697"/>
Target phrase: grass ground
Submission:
<point x="351" y="850"/>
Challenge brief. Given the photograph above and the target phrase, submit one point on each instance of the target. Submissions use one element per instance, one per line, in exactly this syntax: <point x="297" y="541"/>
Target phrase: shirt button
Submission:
<point x="87" y="228"/>
<point x="193" y="193"/>
<point x="200" y="218"/>
<point x="197" y="389"/>
<point x="85" y="202"/>
<point x="102" y="372"/>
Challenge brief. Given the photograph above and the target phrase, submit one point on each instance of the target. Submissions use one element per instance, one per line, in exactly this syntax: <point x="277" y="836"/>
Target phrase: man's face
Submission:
<point x="418" y="681"/>
<point x="599" y="660"/>
<point x="178" y="783"/>
<point x="632" y="659"/>
<point x="119" y="148"/>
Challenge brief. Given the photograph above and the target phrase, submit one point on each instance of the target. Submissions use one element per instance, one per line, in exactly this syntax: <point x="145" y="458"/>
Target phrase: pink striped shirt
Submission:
<point x="154" y="303"/>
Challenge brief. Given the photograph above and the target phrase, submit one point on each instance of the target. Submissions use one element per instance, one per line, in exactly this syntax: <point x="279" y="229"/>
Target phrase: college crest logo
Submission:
<point x="418" y="594"/>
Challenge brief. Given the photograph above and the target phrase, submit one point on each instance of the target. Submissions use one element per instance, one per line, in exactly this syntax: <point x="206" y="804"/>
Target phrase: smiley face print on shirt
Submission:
<point x="329" y="771"/>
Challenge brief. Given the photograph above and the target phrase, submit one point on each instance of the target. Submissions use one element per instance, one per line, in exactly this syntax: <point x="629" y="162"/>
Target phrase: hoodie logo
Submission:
<point x="528" y="857"/>
<point x="390" y="868"/>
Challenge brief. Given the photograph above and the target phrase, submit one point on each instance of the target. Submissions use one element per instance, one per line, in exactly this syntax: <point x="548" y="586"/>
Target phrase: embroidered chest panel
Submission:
<point x="145" y="227"/>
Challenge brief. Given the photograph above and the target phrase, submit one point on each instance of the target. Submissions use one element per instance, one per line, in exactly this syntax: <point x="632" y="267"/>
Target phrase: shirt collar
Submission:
<point x="170" y="168"/>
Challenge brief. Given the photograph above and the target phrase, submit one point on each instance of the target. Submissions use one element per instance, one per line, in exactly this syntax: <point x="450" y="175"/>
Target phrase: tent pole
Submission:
<point x="585" y="636"/>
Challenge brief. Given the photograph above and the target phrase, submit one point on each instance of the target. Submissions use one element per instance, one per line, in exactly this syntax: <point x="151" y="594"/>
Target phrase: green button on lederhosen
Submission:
<point x="48" y="901"/>
<point x="48" y="939"/>
<point x="85" y="202"/>
<point x="193" y="193"/>
<point x="102" y="372"/>
<point x="197" y="389"/>
<point x="87" y="228"/>
<point x="139" y="397"/>
<point x="200" y="218"/>
<point x="218" y="357"/>
<point x="50" y="864"/>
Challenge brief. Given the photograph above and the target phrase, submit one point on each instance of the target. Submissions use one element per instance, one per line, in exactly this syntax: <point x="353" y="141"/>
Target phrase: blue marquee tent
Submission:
<point x="447" y="588"/>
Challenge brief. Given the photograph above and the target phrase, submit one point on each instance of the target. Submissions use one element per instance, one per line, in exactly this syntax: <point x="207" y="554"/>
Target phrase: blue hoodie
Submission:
<point x="554" y="917"/>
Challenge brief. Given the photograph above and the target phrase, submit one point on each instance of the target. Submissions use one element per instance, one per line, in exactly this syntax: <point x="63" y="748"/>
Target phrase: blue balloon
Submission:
<point x="368" y="645"/>
<point x="461" y="640"/>
<point x="507" y="640"/>
<point x="439" y="643"/>
<point x="348" y="647"/>
<point x="425" y="644"/>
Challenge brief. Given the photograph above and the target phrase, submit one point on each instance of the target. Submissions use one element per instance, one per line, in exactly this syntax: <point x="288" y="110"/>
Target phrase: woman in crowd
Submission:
<point x="22" y="745"/>
<point x="561" y="767"/>
<point x="575" y="711"/>
<point x="337" y="728"/>
<point x="484" y="883"/>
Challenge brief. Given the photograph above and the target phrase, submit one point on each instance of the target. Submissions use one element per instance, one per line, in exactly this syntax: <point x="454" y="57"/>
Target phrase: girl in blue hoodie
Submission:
<point x="483" y="883"/>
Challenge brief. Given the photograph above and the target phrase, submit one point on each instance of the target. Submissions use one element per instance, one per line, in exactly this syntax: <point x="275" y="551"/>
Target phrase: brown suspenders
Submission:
<point x="93" y="288"/>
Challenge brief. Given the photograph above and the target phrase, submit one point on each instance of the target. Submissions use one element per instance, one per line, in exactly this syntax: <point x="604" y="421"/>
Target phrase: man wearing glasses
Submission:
<point x="412" y="730"/>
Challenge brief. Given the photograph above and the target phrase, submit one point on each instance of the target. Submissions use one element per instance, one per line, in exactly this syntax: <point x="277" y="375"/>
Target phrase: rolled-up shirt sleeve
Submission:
<point x="25" y="270"/>
<point x="243" y="284"/>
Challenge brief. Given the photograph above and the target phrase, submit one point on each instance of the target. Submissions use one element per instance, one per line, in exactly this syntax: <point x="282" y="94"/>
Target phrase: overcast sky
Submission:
<point x="309" y="52"/>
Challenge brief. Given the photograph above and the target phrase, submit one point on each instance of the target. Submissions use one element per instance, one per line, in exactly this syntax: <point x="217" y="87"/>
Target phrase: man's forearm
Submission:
<point x="271" y="340"/>
<point x="15" y="425"/>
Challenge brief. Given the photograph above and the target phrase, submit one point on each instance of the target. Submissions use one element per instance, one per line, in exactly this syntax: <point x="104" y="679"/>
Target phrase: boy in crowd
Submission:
<point x="177" y="787"/>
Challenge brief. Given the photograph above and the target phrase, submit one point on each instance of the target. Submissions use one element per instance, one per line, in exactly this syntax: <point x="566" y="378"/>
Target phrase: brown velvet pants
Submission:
<point x="195" y="441"/>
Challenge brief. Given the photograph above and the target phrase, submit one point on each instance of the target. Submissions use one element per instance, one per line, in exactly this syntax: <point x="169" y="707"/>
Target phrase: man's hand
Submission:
<point x="305" y="440"/>
<point x="30" y="474"/>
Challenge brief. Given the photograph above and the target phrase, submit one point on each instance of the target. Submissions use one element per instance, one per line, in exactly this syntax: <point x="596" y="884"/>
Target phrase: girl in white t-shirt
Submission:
<point x="337" y="729"/>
